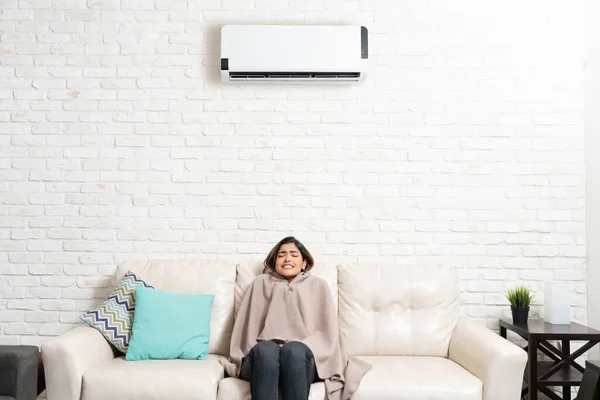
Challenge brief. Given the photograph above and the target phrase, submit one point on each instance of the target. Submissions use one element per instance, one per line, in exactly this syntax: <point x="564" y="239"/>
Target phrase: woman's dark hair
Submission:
<point x="269" y="262"/>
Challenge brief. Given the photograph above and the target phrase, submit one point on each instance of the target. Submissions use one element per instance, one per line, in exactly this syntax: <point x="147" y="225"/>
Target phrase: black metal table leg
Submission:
<point x="533" y="386"/>
<point x="566" y="349"/>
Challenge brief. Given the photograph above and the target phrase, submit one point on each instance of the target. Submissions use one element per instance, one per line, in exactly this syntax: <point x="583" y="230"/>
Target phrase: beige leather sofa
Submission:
<point x="404" y="321"/>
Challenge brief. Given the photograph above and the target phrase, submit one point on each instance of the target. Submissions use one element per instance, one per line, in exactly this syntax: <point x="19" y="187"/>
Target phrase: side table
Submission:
<point x="562" y="370"/>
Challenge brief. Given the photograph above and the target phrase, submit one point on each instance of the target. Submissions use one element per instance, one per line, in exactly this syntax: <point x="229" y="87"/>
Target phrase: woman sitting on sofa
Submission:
<point x="286" y="333"/>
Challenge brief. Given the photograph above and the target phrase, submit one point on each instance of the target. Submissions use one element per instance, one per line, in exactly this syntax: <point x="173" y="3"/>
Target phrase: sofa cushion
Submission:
<point x="237" y="389"/>
<point x="195" y="277"/>
<point x="114" y="317"/>
<point x="153" y="380"/>
<point x="248" y="270"/>
<point x="387" y="309"/>
<point x="417" y="378"/>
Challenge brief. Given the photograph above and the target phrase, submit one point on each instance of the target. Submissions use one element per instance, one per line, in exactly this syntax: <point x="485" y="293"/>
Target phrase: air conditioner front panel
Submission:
<point x="276" y="52"/>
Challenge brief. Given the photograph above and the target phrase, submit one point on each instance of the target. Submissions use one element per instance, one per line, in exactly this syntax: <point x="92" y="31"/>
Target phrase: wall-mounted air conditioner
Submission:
<point x="297" y="53"/>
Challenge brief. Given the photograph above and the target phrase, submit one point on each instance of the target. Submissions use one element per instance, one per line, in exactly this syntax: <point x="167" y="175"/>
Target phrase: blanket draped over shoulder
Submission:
<point x="301" y="310"/>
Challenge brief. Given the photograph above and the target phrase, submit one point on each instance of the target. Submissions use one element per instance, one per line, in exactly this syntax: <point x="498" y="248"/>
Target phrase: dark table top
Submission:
<point x="544" y="330"/>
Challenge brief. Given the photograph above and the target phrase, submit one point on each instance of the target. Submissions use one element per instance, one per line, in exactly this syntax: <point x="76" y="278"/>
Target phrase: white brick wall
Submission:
<point x="118" y="140"/>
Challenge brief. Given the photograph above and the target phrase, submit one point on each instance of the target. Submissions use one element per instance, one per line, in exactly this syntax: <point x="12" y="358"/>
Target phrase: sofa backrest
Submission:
<point x="383" y="309"/>
<point x="387" y="309"/>
<point x="194" y="277"/>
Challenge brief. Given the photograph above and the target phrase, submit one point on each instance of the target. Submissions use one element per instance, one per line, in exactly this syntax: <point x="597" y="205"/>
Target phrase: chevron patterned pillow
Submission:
<point x="114" y="318"/>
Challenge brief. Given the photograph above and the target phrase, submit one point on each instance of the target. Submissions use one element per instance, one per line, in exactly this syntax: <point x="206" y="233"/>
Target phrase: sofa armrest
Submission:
<point x="68" y="356"/>
<point x="497" y="362"/>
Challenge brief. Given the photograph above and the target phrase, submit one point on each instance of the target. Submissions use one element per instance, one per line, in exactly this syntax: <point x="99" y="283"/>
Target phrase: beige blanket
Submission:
<point x="301" y="310"/>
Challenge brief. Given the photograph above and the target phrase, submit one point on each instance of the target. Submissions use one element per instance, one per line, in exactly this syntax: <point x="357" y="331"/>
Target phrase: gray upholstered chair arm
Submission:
<point x="19" y="372"/>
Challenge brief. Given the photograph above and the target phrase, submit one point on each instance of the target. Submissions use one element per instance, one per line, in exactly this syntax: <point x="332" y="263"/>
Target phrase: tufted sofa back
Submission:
<point x="383" y="309"/>
<point x="386" y="309"/>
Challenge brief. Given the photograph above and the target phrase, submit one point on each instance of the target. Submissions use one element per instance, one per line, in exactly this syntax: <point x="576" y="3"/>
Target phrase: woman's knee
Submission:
<point x="266" y="350"/>
<point x="296" y="351"/>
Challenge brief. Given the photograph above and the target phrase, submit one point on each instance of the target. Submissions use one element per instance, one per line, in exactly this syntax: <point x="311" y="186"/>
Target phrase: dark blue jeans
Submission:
<point x="270" y="368"/>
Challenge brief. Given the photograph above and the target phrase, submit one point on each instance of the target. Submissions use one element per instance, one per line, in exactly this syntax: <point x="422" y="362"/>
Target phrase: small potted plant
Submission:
<point x="520" y="299"/>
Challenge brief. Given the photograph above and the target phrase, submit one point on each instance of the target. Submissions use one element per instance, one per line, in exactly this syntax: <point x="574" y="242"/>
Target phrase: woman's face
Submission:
<point x="289" y="262"/>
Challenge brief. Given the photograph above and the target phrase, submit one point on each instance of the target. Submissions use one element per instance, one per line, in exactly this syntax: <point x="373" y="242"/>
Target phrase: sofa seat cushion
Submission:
<point x="417" y="378"/>
<point x="153" y="380"/>
<point x="237" y="389"/>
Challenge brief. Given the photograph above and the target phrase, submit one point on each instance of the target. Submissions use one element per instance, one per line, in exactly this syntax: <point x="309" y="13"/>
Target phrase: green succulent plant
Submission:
<point x="519" y="297"/>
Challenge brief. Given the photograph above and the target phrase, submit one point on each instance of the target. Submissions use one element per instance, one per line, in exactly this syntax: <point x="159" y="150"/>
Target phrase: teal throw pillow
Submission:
<point x="169" y="325"/>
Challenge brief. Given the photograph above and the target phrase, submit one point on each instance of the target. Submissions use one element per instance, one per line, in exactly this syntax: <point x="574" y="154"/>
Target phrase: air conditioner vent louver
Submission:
<point x="293" y="75"/>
